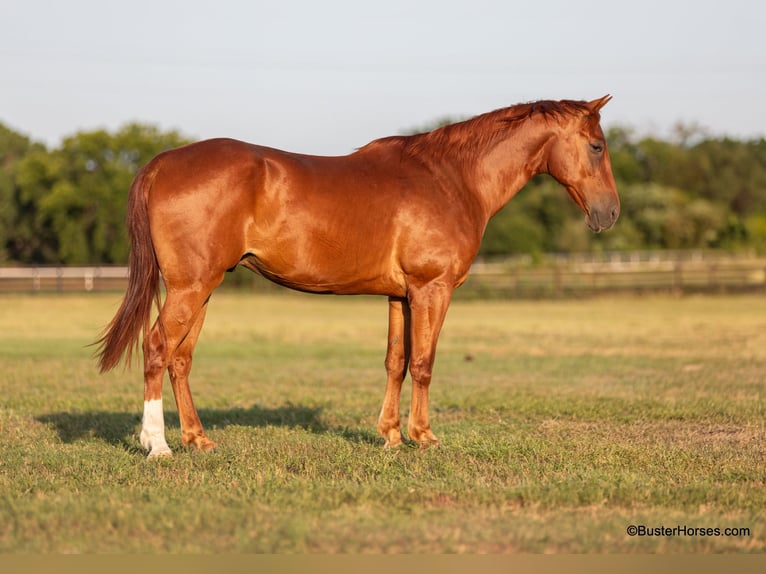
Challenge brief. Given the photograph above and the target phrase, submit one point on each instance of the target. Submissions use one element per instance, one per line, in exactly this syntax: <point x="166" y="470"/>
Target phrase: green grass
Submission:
<point x="562" y="423"/>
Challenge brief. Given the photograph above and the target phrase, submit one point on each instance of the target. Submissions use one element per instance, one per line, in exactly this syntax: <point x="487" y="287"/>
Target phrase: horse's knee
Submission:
<point x="396" y="365"/>
<point x="421" y="370"/>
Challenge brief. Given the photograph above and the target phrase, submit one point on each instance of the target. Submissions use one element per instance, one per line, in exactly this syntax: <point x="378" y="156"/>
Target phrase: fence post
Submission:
<point x="712" y="276"/>
<point x="678" y="276"/>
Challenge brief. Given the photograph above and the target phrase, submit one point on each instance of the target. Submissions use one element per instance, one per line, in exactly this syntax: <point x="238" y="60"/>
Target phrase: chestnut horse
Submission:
<point x="401" y="217"/>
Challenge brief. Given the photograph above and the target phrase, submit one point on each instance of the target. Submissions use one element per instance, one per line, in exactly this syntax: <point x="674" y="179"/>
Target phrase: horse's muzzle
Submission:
<point x="603" y="217"/>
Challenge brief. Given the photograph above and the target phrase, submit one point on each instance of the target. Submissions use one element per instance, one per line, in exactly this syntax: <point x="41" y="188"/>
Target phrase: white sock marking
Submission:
<point x="153" y="429"/>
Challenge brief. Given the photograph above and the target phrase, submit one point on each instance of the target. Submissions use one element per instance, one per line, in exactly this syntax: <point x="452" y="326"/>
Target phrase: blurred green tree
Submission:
<point x="74" y="198"/>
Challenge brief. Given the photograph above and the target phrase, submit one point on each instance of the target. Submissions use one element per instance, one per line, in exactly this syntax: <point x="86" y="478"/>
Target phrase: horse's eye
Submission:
<point x="596" y="147"/>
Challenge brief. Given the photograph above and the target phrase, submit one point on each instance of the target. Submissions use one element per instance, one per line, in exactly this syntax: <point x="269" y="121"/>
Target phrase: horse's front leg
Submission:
<point x="428" y="305"/>
<point x="397" y="359"/>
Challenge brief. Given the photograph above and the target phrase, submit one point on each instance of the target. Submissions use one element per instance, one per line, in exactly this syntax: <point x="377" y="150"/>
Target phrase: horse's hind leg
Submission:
<point x="178" y="369"/>
<point x="397" y="358"/>
<point x="177" y="318"/>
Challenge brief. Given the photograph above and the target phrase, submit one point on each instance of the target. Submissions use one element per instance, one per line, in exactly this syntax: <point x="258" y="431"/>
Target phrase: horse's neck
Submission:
<point x="504" y="169"/>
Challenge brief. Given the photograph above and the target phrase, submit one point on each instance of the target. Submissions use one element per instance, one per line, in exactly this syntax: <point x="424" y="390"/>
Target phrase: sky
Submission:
<point x="327" y="76"/>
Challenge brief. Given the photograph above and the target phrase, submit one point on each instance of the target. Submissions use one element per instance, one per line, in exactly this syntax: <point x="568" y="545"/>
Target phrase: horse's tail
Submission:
<point x="121" y="336"/>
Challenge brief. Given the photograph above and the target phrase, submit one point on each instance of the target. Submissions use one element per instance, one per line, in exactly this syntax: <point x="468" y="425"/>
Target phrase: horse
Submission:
<point x="401" y="217"/>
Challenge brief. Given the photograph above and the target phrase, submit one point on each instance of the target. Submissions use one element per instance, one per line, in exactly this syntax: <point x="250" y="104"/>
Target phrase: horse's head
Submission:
<point x="579" y="160"/>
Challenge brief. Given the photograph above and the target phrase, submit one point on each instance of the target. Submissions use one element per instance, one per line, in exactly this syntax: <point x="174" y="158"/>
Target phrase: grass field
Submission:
<point x="563" y="423"/>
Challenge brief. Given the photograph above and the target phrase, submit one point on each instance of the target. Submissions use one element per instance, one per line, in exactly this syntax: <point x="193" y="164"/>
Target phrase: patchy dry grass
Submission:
<point x="563" y="423"/>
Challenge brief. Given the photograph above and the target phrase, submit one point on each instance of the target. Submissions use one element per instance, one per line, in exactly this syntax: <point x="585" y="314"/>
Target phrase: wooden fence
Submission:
<point x="515" y="277"/>
<point x="61" y="279"/>
<point x="635" y="272"/>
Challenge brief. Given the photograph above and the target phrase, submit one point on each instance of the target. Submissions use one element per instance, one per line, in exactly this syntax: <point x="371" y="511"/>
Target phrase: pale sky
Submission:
<point x="327" y="76"/>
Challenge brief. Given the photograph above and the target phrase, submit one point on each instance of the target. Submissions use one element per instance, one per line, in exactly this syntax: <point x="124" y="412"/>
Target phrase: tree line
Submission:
<point x="66" y="205"/>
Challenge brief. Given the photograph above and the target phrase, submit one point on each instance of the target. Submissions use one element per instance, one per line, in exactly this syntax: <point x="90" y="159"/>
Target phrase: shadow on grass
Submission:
<point x="120" y="429"/>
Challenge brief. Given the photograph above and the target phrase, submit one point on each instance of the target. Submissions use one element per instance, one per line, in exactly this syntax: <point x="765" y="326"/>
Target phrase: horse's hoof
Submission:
<point x="206" y="445"/>
<point x="159" y="453"/>
<point x="423" y="438"/>
<point x="393" y="445"/>
<point x="199" y="442"/>
<point x="392" y="436"/>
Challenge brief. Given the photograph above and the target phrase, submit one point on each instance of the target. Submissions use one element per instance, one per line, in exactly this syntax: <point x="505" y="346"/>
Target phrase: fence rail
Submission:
<point x="554" y="276"/>
<point x="61" y="278"/>
<point x="572" y="276"/>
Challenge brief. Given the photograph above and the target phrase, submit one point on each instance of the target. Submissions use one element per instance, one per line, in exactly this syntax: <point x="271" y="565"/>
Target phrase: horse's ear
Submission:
<point x="596" y="105"/>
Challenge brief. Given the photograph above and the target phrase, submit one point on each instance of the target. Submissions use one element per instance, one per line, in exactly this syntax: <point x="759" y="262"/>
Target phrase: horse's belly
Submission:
<point x="326" y="274"/>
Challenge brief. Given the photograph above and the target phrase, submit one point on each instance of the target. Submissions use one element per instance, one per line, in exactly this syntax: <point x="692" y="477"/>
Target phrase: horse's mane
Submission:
<point x="481" y="132"/>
